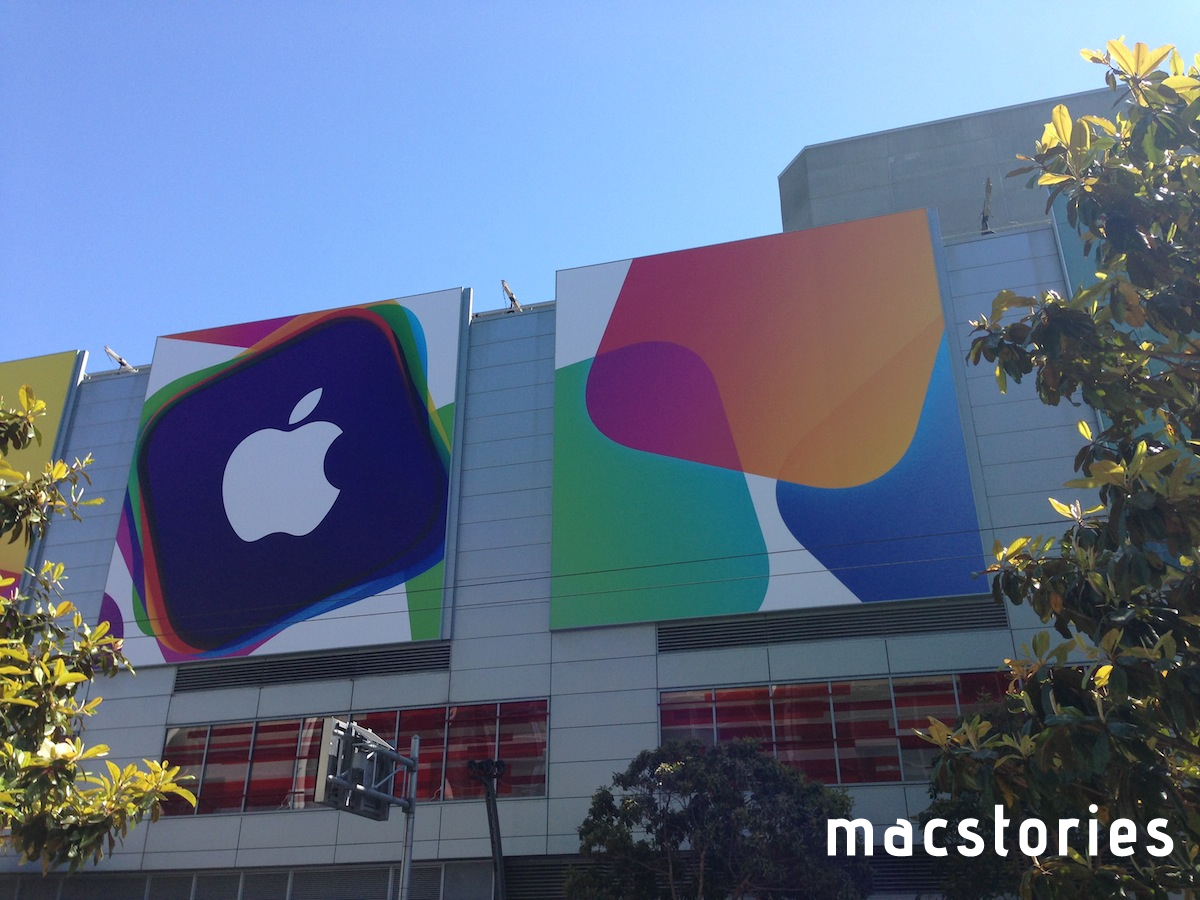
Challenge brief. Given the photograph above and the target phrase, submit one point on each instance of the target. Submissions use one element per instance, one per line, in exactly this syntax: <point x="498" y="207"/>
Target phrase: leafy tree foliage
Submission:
<point x="685" y="820"/>
<point x="52" y="808"/>
<point x="1109" y="719"/>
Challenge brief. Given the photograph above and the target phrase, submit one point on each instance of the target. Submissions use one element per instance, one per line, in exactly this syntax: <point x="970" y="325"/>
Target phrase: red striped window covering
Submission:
<point x="918" y="700"/>
<point x="470" y="735"/>
<point x="850" y="732"/>
<point x="522" y="746"/>
<point x="185" y="748"/>
<point x="688" y="715"/>
<point x="273" y="764"/>
<point x="804" y="729"/>
<point x="269" y="765"/>
<point x="430" y="726"/>
<point x="223" y="787"/>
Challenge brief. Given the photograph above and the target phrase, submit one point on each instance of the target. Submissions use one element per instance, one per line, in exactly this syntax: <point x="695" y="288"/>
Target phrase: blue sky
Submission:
<point x="171" y="166"/>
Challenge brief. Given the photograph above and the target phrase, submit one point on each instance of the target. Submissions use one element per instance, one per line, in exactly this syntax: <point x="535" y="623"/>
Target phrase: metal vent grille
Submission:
<point x="425" y="883"/>
<point x="974" y="613"/>
<point x="427" y="656"/>
<point x="537" y="877"/>
<point x="907" y="876"/>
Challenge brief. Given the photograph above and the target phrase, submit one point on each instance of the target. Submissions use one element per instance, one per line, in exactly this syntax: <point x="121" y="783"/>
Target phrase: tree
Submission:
<point x="1109" y="720"/>
<point x="52" y="808"/>
<point x="698" y="821"/>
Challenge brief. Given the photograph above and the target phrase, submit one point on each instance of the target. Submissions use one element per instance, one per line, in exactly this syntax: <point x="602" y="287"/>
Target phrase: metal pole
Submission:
<point x="406" y="865"/>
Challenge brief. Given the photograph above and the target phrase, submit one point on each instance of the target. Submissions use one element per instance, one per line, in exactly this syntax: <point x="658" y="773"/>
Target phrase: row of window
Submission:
<point x="250" y="766"/>
<point x="836" y="732"/>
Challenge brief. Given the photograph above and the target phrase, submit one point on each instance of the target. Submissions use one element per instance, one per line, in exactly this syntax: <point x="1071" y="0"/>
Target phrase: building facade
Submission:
<point x="735" y="491"/>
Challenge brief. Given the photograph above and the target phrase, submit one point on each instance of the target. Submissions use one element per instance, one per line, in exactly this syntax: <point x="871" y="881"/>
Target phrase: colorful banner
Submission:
<point x="52" y="378"/>
<point x="759" y="425"/>
<point x="289" y="485"/>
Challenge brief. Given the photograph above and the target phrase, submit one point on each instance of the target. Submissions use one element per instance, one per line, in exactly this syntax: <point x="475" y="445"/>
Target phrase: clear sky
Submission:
<point x="168" y="166"/>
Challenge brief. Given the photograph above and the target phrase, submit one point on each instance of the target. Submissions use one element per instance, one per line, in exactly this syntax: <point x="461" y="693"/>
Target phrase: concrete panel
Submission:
<point x="354" y="830"/>
<point x="502" y="479"/>
<point x="494" y="403"/>
<point x="285" y="856"/>
<point x="511" y="374"/>
<point x="465" y="820"/>
<point x="130" y="743"/>
<point x="149" y="683"/>
<point x="400" y="691"/>
<point x="522" y="615"/>
<point x="497" y="652"/>
<point x="564" y="816"/>
<point x="607" y="742"/>
<point x="1008" y="247"/>
<point x="464" y="848"/>
<point x="741" y="665"/>
<point x="480" y="428"/>
<point x="863" y="657"/>
<point x="1030" y="475"/>
<point x="302" y="828"/>
<point x="480" y="619"/>
<point x="585" y="676"/>
<point x="618" y="642"/>
<point x="1039" y="270"/>
<point x="509" y="562"/>
<point x="605" y="708"/>
<point x="582" y="779"/>
<point x="848" y="178"/>
<point x="882" y="804"/>
<point x="507" y="683"/>
<point x="200" y="833"/>
<point x="168" y="860"/>
<point x="485" y="354"/>
<point x="948" y="652"/>
<point x="315" y="697"/>
<point x="522" y="818"/>
<point x="507" y="532"/>
<point x="499" y="505"/>
<point x="1059" y="442"/>
<point x="485" y="454"/>
<point x="233" y="705"/>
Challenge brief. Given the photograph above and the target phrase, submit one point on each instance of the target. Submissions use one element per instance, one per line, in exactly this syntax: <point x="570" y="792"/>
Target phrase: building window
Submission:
<point x="272" y="764"/>
<point x="836" y="732"/>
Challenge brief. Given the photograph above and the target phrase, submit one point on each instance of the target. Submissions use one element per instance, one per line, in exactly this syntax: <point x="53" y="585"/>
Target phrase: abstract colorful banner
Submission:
<point x="765" y="424"/>
<point x="289" y="485"/>
<point x="52" y="378"/>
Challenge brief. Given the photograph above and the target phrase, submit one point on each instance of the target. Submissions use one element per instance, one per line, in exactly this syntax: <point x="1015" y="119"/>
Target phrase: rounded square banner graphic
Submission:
<point x="51" y="378"/>
<point x="757" y="425"/>
<point x="308" y="472"/>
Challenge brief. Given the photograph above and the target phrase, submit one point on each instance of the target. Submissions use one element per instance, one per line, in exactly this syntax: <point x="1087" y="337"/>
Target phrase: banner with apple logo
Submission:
<point x="289" y="485"/>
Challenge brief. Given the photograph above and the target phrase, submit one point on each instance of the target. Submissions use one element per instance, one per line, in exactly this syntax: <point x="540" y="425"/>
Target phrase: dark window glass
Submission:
<point x="687" y="715"/>
<point x="744" y="713"/>
<point x="522" y="746"/>
<point x="865" y="731"/>
<point x="804" y="730"/>
<point x="225" y="768"/>
<point x="185" y="748"/>
<point x="918" y="699"/>
<point x="273" y="765"/>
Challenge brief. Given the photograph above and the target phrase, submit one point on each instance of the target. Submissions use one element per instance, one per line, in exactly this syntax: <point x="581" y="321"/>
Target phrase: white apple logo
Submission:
<point x="275" y="480"/>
